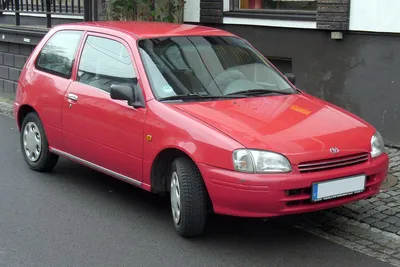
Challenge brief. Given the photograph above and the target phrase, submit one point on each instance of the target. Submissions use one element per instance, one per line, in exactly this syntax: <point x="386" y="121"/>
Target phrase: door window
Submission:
<point x="105" y="62"/>
<point x="58" y="54"/>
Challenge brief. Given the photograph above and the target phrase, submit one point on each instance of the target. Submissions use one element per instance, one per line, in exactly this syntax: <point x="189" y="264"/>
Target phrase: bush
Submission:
<point x="145" y="10"/>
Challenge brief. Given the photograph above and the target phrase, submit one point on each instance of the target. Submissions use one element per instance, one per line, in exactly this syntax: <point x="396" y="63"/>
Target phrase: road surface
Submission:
<point x="75" y="216"/>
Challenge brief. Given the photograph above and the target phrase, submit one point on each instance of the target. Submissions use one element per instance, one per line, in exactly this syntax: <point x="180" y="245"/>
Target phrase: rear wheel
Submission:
<point x="34" y="145"/>
<point x="188" y="198"/>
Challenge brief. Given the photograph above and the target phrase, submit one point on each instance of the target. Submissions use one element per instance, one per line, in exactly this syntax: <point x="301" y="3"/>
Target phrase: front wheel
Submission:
<point x="188" y="198"/>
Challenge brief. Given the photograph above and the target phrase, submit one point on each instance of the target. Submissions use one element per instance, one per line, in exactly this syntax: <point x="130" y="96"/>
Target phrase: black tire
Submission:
<point x="47" y="160"/>
<point x="193" y="198"/>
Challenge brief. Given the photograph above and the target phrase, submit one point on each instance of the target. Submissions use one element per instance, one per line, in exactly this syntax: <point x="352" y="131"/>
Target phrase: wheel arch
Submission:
<point x="22" y="112"/>
<point x="161" y="167"/>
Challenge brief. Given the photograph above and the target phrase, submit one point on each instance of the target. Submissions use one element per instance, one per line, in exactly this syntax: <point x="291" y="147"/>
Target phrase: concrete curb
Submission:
<point x="389" y="183"/>
<point x="357" y="236"/>
<point x="6" y="109"/>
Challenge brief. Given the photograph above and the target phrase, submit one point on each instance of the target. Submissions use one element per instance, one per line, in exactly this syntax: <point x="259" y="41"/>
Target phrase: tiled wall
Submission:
<point x="12" y="59"/>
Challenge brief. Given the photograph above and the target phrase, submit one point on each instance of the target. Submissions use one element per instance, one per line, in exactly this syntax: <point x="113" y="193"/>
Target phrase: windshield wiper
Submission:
<point x="198" y="96"/>
<point x="261" y="92"/>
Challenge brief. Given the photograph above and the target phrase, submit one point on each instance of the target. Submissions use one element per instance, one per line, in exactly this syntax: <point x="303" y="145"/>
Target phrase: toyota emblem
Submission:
<point x="334" y="150"/>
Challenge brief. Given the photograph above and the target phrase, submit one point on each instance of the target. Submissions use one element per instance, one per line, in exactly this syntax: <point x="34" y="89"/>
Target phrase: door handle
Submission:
<point x="73" y="97"/>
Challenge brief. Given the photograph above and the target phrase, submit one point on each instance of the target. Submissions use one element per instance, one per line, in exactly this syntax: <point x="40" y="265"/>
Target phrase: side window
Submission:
<point x="58" y="54"/>
<point x="105" y="62"/>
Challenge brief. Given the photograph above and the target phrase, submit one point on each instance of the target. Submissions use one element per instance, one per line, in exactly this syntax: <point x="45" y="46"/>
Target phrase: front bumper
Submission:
<point x="267" y="195"/>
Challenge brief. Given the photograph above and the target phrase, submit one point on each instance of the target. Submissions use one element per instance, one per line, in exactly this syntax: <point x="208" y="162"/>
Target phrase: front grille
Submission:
<point x="333" y="163"/>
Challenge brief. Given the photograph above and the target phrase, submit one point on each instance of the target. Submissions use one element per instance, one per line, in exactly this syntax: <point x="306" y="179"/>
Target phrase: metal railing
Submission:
<point x="87" y="8"/>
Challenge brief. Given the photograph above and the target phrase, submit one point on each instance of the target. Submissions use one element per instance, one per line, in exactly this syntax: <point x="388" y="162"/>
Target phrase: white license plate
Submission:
<point x="338" y="188"/>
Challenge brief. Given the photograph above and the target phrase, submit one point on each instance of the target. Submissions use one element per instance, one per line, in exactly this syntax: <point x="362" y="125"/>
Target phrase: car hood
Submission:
<point x="300" y="126"/>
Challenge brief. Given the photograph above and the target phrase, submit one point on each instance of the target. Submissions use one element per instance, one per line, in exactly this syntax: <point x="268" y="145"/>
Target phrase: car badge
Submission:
<point x="334" y="150"/>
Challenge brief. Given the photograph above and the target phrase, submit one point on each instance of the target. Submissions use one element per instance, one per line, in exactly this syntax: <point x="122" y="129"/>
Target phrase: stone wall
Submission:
<point x="17" y="43"/>
<point x="12" y="59"/>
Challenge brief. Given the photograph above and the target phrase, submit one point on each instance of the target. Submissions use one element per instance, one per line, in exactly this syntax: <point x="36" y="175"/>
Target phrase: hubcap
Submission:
<point x="175" y="198"/>
<point x="32" y="141"/>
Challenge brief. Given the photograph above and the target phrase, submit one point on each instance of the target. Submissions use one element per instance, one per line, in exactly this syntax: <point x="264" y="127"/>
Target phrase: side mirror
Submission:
<point x="291" y="78"/>
<point x="125" y="92"/>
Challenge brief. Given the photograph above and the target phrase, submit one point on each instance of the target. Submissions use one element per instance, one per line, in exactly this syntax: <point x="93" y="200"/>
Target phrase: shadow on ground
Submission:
<point x="84" y="178"/>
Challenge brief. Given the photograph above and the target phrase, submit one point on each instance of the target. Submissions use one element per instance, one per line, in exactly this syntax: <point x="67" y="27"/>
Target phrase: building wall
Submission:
<point x="375" y="16"/>
<point x="18" y="42"/>
<point x="365" y="15"/>
<point x="192" y="11"/>
<point x="359" y="73"/>
<point x="12" y="58"/>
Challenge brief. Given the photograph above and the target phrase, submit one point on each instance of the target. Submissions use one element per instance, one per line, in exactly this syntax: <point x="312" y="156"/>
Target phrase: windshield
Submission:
<point x="208" y="66"/>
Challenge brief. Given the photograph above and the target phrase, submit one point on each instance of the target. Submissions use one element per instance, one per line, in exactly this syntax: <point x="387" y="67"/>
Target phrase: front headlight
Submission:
<point x="258" y="161"/>
<point x="377" y="145"/>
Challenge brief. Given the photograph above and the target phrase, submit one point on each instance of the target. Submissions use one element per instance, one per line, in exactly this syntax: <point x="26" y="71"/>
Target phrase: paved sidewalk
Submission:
<point x="369" y="226"/>
<point x="6" y="106"/>
<point x="383" y="210"/>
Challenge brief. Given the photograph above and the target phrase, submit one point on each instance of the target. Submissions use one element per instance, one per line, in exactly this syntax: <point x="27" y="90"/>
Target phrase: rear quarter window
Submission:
<point x="58" y="54"/>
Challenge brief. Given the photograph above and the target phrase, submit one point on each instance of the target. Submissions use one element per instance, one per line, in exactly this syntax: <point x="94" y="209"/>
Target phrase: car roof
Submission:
<point x="143" y="29"/>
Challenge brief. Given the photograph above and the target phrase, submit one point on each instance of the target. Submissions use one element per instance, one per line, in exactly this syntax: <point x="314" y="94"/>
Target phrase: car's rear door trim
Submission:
<point x="97" y="167"/>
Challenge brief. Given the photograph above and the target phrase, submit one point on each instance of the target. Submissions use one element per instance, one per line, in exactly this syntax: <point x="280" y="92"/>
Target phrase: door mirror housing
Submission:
<point x="291" y="78"/>
<point x="126" y="92"/>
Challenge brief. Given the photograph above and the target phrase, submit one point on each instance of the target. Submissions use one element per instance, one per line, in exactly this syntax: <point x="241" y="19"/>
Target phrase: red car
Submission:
<point x="196" y="113"/>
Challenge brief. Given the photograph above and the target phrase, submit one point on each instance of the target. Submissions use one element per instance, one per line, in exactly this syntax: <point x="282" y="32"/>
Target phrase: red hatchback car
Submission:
<point x="196" y="113"/>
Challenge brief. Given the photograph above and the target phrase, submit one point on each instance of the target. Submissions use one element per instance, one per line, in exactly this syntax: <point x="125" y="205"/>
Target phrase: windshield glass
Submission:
<point x="208" y="66"/>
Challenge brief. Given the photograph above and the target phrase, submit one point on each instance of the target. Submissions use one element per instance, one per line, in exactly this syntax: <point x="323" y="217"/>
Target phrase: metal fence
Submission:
<point x="87" y="8"/>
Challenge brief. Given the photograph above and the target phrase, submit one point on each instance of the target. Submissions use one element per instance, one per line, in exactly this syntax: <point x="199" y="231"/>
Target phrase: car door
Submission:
<point x="99" y="131"/>
<point x="50" y="78"/>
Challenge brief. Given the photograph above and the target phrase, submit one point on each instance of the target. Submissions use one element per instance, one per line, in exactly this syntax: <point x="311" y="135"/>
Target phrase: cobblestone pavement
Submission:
<point x="382" y="211"/>
<point x="369" y="226"/>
